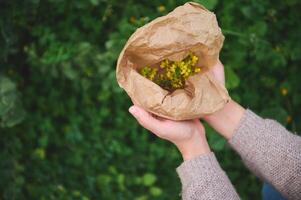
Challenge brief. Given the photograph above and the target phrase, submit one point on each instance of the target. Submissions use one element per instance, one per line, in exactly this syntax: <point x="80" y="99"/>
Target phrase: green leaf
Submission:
<point x="120" y="179"/>
<point x="232" y="80"/>
<point x="149" y="179"/>
<point x="69" y="72"/>
<point x="6" y="85"/>
<point x="14" y="116"/>
<point x="103" y="180"/>
<point x="11" y="109"/>
<point x="94" y="2"/>
<point x="7" y="101"/>
<point x="260" y="28"/>
<point x="209" y="4"/>
<point x="276" y="113"/>
<point x="216" y="142"/>
<point x="144" y="197"/>
<point x="155" y="191"/>
<point x="247" y="11"/>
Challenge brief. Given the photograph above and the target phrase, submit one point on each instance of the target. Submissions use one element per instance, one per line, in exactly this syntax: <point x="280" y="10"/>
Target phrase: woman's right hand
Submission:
<point x="219" y="72"/>
<point x="226" y="120"/>
<point x="189" y="136"/>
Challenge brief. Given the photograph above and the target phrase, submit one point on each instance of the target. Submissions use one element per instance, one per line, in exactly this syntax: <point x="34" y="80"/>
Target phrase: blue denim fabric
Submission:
<point x="270" y="193"/>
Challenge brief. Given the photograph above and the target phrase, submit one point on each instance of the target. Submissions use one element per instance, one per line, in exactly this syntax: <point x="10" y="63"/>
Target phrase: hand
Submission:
<point x="226" y="120"/>
<point x="188" y="136"/>
<point x="219" y="72"/>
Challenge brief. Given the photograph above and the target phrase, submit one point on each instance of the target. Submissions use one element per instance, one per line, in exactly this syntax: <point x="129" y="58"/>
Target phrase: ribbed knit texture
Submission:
<point x="203" y="178"/>
<point x="270" y="152"/>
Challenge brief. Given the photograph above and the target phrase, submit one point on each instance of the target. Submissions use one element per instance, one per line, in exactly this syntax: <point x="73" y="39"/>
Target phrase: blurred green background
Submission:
<point x="65" y="132"/>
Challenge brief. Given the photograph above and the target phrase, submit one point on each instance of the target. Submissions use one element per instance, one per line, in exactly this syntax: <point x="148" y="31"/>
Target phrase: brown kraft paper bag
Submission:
<point x="188" y="28"/>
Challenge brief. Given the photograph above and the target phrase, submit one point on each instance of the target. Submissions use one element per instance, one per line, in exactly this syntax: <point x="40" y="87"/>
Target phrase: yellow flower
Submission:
<point x="40" y="153"/>
<point x="153" y="73"/>
<point x="194" y="60"/>
<point x="289" y="119"/>
<point x="133" y="19"/>
<point x="164" y="63"/>
<point x="171" y="75"/>
<point x="197" y="69"/>
<point x="284" y="91"/>
<point x="145" y="71"/>
<point x="161" y="8"/>
<point x="168" y="74"/>
<point x="277" y="49"/>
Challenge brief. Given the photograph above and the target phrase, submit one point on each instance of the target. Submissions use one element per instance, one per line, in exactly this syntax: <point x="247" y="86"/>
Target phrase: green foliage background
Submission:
<point x="65" y="129"/>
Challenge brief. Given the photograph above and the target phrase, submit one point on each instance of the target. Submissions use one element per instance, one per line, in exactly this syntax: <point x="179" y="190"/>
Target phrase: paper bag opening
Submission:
<point x="189" y="28"/>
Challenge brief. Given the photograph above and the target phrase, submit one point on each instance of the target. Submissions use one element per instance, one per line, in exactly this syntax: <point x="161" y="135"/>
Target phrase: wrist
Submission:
<point x="194" y="148"/>
<point x="226" y="120"/>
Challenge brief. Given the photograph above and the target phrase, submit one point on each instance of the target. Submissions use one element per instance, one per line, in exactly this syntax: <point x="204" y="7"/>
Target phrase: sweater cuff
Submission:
<point x="204" y="167"/>
<point x="246" y="133"/>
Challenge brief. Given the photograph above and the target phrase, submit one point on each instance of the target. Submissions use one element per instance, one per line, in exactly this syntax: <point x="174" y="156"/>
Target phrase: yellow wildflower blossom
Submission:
<point x="164" y="63"/>
<point x="161" y="8"/>
<point x="194" y="60"/>
<point x="171" y="75"/>
<point x="289" y="119"/>
<point x="284" y="91"/>
<point x="197" y="69"/>
<point x="133" y="19"/>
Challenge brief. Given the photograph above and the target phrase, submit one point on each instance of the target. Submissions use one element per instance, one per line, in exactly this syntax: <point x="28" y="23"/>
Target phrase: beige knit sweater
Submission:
<point x="267" y="149"/>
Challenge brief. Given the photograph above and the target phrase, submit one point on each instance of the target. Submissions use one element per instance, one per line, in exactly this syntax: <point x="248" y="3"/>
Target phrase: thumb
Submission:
<point x="146" y="120"/>
<point x="219" y="72"/>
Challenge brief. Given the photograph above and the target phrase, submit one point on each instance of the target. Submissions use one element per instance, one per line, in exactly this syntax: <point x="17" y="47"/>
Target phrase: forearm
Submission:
<point x="226" y="120"/>
<point x="268" y="150"/>
<point x="200" y="173"/>
<point x="203" y="178"/>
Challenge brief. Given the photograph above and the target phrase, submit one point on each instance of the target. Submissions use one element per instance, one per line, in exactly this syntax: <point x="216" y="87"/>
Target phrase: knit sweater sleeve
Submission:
<point x="203" y="178"/>
<point x="270" y="152"/>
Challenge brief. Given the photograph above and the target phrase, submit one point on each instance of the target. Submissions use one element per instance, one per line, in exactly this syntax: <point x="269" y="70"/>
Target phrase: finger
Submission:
<point x="146" y="120"/>
<point x="218" y="71"/>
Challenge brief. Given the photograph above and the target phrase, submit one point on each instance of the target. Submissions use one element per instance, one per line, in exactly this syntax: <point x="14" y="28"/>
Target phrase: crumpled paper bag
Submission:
<point x="188" y="28"/>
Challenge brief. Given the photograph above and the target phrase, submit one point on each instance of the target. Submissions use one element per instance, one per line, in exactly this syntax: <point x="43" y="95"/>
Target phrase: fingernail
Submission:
<point x="133" y="110"/>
